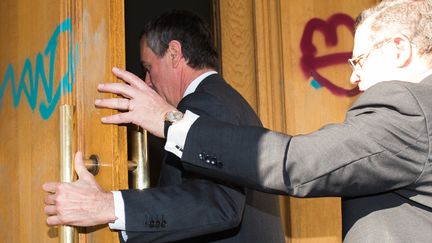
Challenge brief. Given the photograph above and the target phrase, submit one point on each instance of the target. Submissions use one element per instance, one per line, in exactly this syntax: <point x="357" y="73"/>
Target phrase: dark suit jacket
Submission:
<point x="378" y="160"/>
<point x="189" y="208"/>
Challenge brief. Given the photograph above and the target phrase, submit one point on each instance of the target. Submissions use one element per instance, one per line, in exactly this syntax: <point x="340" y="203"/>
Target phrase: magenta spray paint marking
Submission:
<point x="310" y="63"/>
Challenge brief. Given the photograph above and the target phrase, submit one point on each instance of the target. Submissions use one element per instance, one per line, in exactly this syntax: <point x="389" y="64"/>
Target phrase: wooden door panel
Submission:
<point x="102" y="39"/>
<point x="46" y="60"/>
<point x="262" y="49"/>
<point x="29" y="142"/>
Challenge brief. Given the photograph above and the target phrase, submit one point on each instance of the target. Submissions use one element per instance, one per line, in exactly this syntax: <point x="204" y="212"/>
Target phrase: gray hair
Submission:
<point x="412" y="18"/>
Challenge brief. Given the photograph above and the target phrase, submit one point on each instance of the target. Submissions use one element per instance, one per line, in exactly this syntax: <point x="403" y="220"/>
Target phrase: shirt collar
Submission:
<point x="194" y="84"/>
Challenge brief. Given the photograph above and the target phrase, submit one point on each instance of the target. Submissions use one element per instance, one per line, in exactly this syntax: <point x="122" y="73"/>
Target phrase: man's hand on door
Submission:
<point x="80" y="203"/>
<point x="141" y="105"/>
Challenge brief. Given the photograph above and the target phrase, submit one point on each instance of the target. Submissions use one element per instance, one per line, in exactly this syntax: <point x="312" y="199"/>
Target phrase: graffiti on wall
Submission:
<point x="34" y="76"/>
<point x="311" y="63"/>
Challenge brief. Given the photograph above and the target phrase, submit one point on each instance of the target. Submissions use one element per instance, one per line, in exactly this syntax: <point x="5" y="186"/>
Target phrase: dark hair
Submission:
<point x="187" y="28"/>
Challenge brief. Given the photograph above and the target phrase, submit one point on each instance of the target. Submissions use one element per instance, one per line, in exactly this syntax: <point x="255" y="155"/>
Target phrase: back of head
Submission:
<point x="187" y="28"/>
<point x="411" y="18"/>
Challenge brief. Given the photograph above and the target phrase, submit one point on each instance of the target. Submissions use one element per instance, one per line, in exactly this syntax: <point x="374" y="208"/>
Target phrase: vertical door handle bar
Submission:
<point x="67" y="234"/>
<point x="138" y="165"/>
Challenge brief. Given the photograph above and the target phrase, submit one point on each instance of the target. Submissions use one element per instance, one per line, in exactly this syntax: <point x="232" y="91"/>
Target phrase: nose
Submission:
<point x="354" y="79"/>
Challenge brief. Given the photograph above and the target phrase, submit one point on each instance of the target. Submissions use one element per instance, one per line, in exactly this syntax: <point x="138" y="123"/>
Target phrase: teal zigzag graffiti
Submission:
<point x="30" y="89"/>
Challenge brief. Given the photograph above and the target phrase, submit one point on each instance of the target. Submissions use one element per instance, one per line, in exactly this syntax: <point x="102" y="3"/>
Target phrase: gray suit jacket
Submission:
<point x="188" y="208"/>
<point x="378" y="160"/>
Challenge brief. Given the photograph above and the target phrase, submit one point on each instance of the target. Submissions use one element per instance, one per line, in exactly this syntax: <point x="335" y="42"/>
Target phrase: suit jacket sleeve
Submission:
<point x="170" y="213"/>
<point x="382" y="145"/>
<point x="193" y="208"/>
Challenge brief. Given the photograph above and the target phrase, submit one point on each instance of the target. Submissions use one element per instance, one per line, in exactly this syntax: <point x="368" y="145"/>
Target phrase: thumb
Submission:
<point x="80" y="168"/>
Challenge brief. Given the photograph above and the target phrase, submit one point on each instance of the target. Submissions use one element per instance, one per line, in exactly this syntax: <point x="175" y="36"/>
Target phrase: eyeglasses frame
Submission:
<point x="355" y="62"/>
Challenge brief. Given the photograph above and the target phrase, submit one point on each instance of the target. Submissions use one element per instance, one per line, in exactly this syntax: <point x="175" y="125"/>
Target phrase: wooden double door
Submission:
<point x="55" y="52"/>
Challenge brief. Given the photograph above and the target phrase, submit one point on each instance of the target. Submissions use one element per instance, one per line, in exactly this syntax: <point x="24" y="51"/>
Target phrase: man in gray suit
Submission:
<point x="379" y="159"/>
<point x="180" y="62"/>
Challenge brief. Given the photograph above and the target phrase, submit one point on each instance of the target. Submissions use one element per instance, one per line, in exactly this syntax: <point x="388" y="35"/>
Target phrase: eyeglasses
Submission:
<point x="356" y="63"/>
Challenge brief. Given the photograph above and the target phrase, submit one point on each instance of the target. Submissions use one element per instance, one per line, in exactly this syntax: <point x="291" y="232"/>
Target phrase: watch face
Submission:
<point x="173" y="116"/>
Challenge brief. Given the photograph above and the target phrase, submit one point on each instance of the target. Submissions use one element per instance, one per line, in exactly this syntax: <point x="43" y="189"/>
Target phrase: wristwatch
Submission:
<point x="170" y="118"/>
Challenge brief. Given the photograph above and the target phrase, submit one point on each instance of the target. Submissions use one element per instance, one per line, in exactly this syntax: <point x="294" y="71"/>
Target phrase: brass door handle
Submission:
<point x="67" y="234"/>
<point x="138" y="165"/>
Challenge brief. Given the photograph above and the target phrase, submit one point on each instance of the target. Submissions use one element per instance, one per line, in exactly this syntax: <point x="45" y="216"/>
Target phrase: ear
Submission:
<point x="403" y="51"/>
<point x="174" y="53"/>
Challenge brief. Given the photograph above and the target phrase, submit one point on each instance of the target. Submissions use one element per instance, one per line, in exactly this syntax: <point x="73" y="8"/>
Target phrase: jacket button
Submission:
<point x="163" y="224"/>
<point x="157" y="224"/>
<point x="152" y="223"/>
<point x="202" y="155"/>
<point x="213" y="161"/>
<point x="208" y="159"/>
<point x="219" y="165"/>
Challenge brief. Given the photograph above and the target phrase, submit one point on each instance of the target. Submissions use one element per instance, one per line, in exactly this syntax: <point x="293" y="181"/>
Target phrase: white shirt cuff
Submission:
<point x="177" y="133"/>
<point x="119" y="210"/>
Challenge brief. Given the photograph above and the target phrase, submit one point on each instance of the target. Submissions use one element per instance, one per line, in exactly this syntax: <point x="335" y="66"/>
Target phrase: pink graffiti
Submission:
<point x="310" y="63"/>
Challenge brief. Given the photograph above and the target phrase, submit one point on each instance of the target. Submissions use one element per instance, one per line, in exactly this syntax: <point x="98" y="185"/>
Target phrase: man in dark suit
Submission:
<point x="180" y="63"/>
<point x="379" y="159"/>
